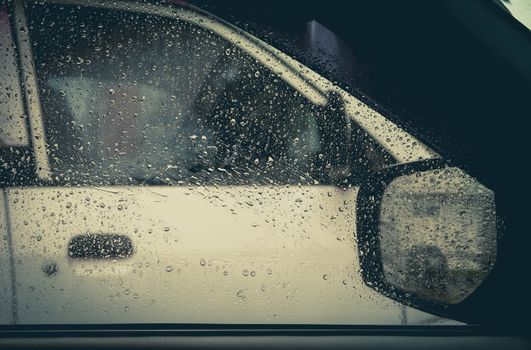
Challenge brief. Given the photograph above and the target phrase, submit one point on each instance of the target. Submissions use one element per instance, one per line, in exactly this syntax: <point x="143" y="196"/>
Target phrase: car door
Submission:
<point x="188" y="182"/>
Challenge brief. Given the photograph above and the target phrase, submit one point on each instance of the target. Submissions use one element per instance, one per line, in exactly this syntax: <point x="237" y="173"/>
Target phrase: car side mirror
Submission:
<point x="427" y="234"/>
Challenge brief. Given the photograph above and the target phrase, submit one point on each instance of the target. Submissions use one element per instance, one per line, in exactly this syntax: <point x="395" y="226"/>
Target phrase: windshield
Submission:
<point x="180" y="172"/>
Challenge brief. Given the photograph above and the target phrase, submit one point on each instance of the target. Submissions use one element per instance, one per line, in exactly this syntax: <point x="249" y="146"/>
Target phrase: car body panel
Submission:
<point x="201" y="255"/>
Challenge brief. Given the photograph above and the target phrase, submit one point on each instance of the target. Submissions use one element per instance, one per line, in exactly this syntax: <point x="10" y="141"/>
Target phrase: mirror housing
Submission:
<point x="427" y="235"/>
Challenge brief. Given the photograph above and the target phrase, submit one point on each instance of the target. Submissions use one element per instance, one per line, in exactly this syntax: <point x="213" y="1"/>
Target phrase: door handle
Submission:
<point x="100" y="246"/>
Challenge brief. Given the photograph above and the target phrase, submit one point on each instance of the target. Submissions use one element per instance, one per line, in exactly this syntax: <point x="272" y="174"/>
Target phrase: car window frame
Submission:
<point x="309" y="84"/>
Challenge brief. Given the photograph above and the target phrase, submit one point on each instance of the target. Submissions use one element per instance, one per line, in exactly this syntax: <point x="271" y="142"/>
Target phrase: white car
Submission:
<point x="159" y="165"/>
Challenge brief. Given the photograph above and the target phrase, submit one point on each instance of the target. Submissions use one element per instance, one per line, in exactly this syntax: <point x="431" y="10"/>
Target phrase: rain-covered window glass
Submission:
<point x="136" y="99"/>
<point x="12" y="125"/>
<point x="15" y="154"/>
<point x="192" y="179"/>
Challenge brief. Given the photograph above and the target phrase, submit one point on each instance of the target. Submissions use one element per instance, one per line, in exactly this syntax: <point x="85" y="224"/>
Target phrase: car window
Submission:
<point x="130" y="98"/>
